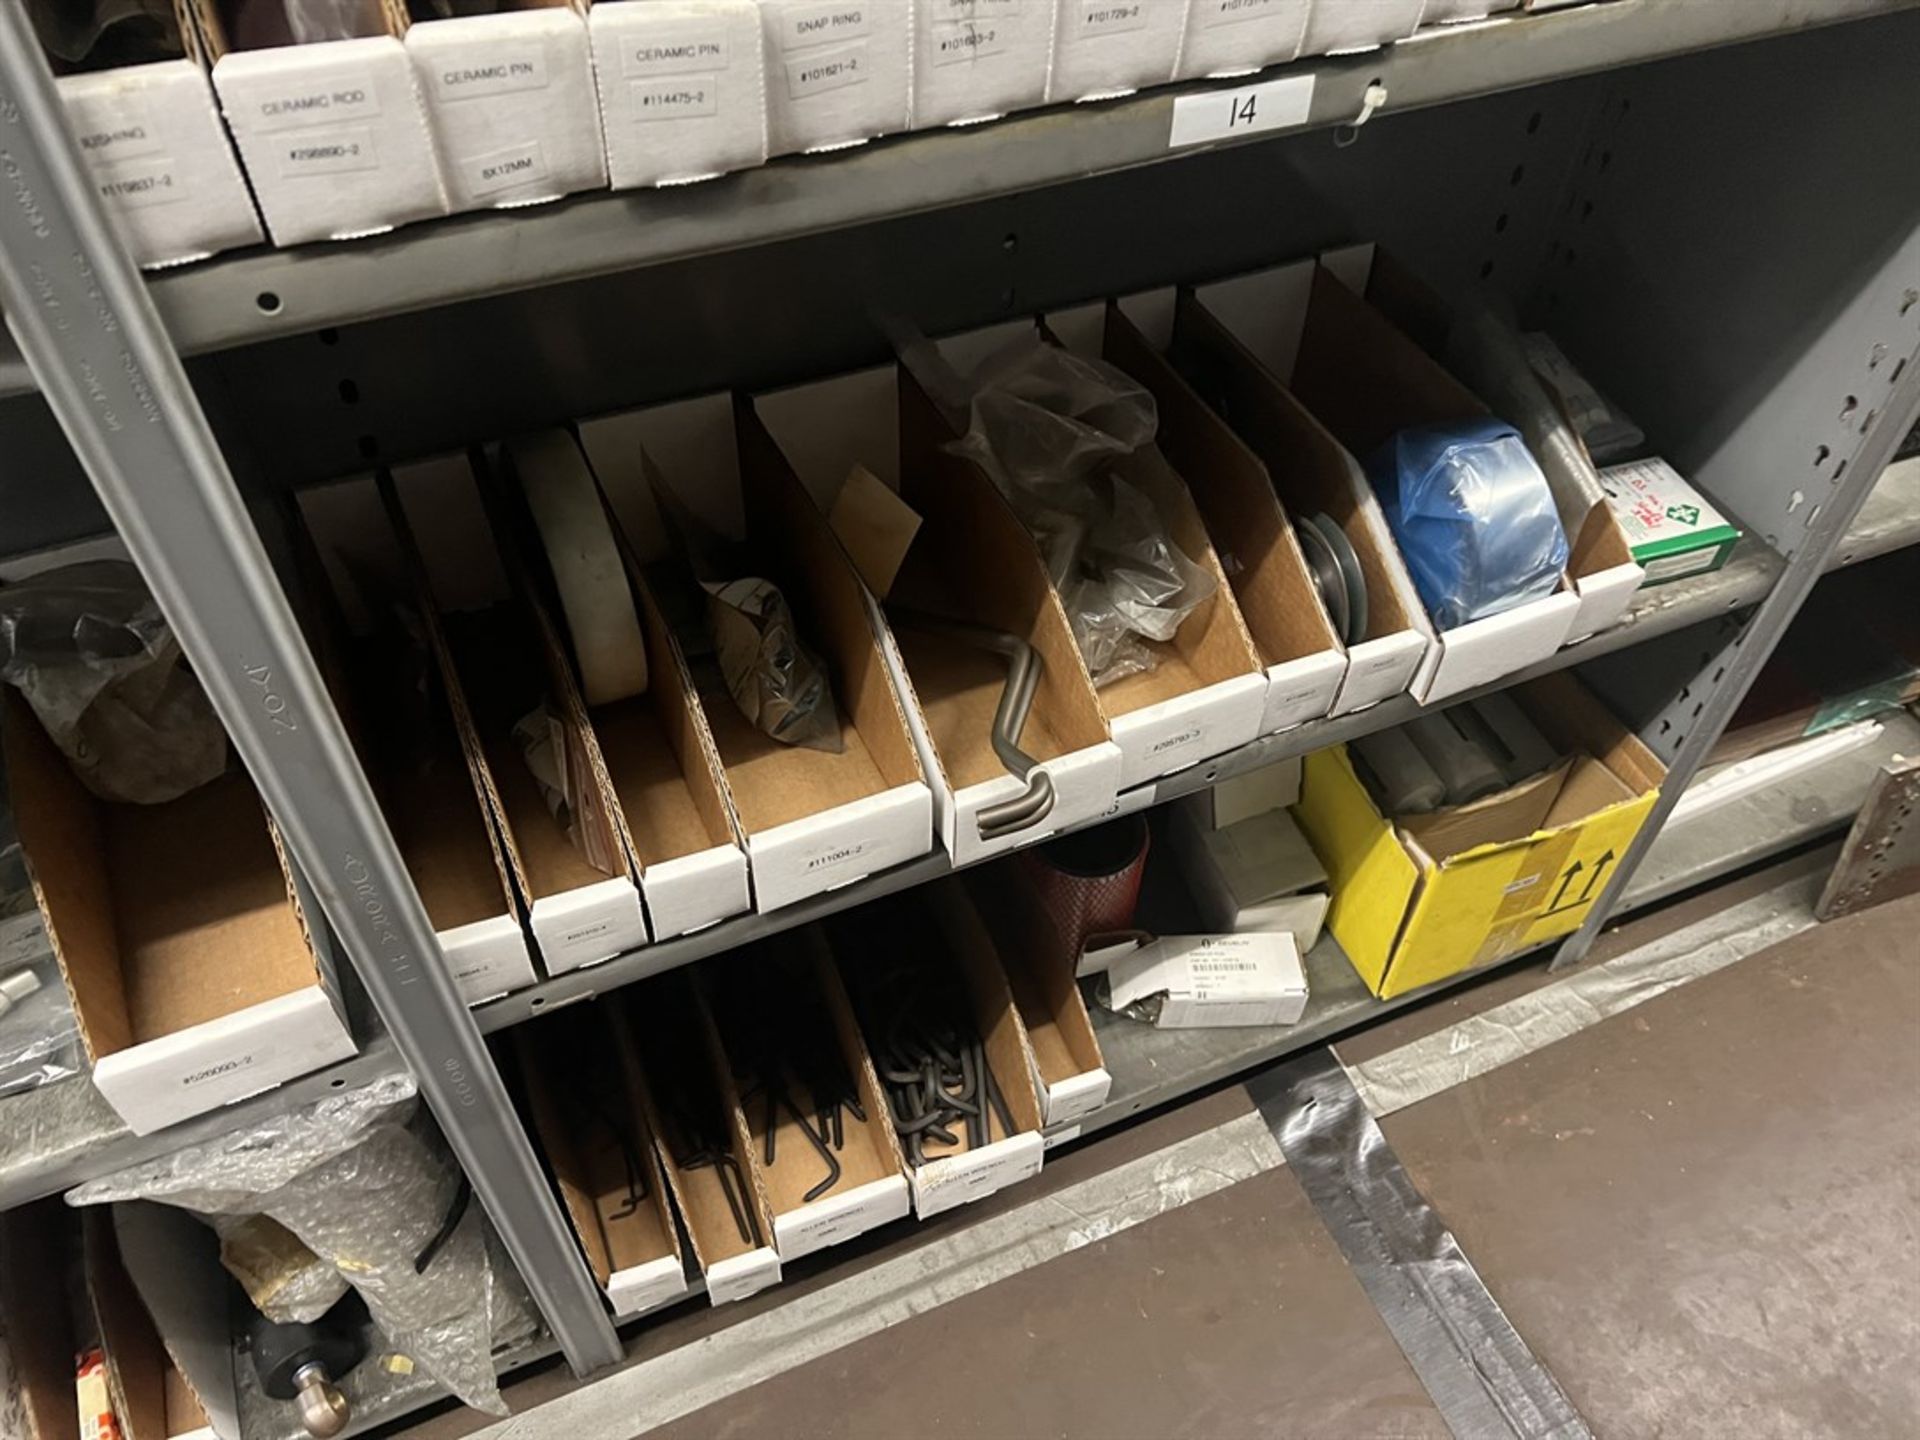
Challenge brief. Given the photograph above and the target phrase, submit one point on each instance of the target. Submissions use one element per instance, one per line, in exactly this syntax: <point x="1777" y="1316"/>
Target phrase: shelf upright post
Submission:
<point x="1686" y="732"/>
<point x="90" y="334"/>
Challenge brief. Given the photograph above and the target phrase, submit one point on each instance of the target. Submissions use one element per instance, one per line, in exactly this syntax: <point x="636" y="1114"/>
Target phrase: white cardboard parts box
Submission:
<point x="1600" y="566"/>
<point x="582" y="900"/>
<point x="1237" y="37"/>
<point x="962" y="1175"/>
<point x="586" y="1094"/>
<point x="1234" y="342"/>
<point x="1107" y="48"/>
<point x="879" y="420"/>
<point x="432" y="779"/>
<point x="671" y="807"/>
<point x="682" y="88"/>
<point x="837" y="72"/>
<point x="511" y="98"/>
<point x="333" y="134"/>
<point x="872" y="1186"/>
<point x="1192" y="982"/>
<point x="977" y="60"/>
<point x="1366" y="380"/>
<point x="665" y="1033"/>
<point x="180" y="932"/>
<point x="1070" y="1074"/>
<point x="160" y="158"/>
<point x="1337" y="26"/>
<point x="813" y="821"/>
<point x="1288" y="626"/>
<point x="1258" y="873"/>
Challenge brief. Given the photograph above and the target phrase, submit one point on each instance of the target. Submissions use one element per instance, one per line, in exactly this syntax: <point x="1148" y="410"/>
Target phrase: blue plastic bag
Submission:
<point x="1473" y="516"/>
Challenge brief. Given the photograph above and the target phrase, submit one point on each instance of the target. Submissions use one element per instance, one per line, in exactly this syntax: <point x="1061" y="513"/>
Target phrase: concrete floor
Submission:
<point x="1703" y="1215"/>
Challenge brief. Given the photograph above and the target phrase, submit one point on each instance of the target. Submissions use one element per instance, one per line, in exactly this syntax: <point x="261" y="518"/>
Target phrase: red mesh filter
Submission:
<point x="1090" y="882"/>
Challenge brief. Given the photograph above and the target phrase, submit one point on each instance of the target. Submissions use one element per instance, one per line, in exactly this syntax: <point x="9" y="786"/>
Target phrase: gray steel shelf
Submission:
<point x="1152" y="1068"/>
<point x="225" y="302"/>
<point x="70" y="1135"/>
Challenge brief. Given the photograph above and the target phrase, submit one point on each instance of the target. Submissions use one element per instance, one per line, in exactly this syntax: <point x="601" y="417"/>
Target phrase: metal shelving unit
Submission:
<point x="1580" y="161"/>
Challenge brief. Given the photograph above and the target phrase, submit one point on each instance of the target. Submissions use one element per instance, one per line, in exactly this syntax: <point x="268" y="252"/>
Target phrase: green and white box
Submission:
<point x="1671" y="527"/>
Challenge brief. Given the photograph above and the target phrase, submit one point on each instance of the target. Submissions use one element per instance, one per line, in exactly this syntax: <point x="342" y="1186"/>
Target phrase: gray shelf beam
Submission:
<point x="81" y="315"/>
<point x="265" y="294"/>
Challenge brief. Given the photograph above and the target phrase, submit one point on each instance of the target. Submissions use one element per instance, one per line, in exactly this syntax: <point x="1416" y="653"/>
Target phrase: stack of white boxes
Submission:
<point x="1245" y="861"/>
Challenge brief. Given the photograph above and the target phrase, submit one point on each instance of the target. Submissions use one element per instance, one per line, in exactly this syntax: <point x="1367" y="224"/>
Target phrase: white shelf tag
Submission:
<point x="1245" y="110"/>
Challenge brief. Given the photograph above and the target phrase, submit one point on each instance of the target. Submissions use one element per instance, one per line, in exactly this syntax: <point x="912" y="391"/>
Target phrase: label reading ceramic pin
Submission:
<point x="1244" y="110"/>
<point x="502" y="76"/>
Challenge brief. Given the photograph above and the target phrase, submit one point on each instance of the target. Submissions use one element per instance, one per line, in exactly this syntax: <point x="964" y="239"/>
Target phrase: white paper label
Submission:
<point x="676" y="99"/>
<point x="686" y="55"/>
<point x="503" y="169"/>
<point x="959" y="42"/>
<point x="140" y="183"/>
<point x="827" y="70"/>
<point x="1214" y="13"/>
<point x="834" y="856"/>
<point x="1243" y="110"/>
<point x="1112" y="17"/>
<point x="491" y="77"/>
<point x="329" y="152"/>
<point x="824" y="24"/>
<point x="350" y="98"/>
<point x="119" y="131"/>
<point x="1672" y="567"/>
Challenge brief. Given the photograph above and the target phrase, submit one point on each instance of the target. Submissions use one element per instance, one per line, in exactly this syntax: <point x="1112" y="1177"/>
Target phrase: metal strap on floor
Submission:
<point x="1478" y="1371"/>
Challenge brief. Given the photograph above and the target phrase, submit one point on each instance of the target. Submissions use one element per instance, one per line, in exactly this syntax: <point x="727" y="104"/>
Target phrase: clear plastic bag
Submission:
<point x="1473" y="517"/>
<point x="365" y="1181"/>
<point x="286" y="1281"/>
<point x="90" y="651"/>
<point x="778" y="683"/>
<point x="1053" y="431"/>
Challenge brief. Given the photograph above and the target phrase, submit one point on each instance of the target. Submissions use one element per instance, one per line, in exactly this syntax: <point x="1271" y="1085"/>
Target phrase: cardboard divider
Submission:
<point x="401" y="704"/>
<point x="1255" y="545"/>
<point x="151" y="138"/>
<point x="956" y="939"/>
<point x="179" y="934"/>
<point x="152" y="1399"/>
<point x="582" y="901"/>
<point x="511" y="99"/>
<point x="871" y="1188"/>
<point x="880" y="421"/>
<point x="666" y="1034"/>
<point x="590" y="1112"/>
<point x="813" y="820"/>
<point x="1600" y="565"/>
<point x="662" y="766"/>
<point x="1229" y="343"/>
<point x="333" y="133"/>
<point x="1070" y="1074"/>
<point x="682" y="87"/>
<point x="1422" y="898"/>
<point x="1207" y="691"/>
<point x="1366" y="381"/>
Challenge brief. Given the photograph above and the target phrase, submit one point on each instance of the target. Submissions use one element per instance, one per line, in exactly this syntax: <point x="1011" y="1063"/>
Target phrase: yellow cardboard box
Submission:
<point x="1422" y="898"/>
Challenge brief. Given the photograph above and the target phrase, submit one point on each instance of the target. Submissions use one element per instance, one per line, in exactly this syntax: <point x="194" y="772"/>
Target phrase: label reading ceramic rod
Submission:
<point x="1244" y="110"/>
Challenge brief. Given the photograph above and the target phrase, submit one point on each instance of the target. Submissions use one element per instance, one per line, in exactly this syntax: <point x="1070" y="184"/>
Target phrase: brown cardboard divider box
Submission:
<point x="409" y="720"/>
<point x="938" y="929"/>
<point x="814" y="820"/>
<point x="706" y="1150"/>
<point x="573" y="875"/>
<point x="180" y="933"/>
<point x="670" y="808"/>
<point x="787" y="1123"/>
<point x="590" y="1114"/>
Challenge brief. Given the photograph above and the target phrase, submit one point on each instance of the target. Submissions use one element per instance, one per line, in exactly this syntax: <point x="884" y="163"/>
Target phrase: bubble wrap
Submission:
<point x="286" y="1281"/>
<point x="365" y="1181"/>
